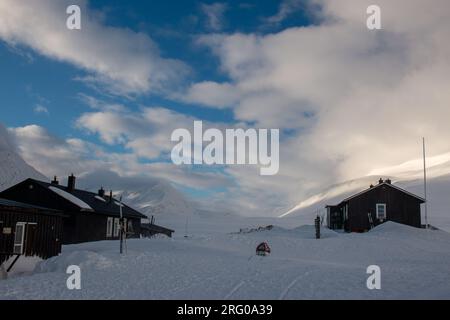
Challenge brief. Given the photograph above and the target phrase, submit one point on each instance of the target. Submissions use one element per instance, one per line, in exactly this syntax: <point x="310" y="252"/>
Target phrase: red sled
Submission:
<point x="263" y="249"/>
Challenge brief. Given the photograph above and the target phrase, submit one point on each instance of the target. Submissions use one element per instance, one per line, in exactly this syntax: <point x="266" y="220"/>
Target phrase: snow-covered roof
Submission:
<point x="87" y="201"/>
<point x="100" y="198"/>
<point x="118" y="204"/>
<point x="76" y="201"/>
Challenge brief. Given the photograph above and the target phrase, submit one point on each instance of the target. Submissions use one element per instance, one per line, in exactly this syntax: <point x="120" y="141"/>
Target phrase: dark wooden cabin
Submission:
<point x="90" y="216"/>
<point x="373" y="206"/>
<point x="29" y="230"/>
<point x="151" y="229"/>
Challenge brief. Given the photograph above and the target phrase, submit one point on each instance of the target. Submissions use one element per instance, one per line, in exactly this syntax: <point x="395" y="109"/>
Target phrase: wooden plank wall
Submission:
<point x="47" y="238"/>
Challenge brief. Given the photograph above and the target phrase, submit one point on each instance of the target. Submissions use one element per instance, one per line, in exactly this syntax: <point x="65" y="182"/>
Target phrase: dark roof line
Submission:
<point x="16" y="204"/>
<point x="384" y="184"/>
<point x="155" y="227"/>
<point x="107" y="207"/>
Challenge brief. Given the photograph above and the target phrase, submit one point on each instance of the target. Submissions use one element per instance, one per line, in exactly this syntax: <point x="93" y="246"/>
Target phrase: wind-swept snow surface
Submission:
<point x="414" y="264"/>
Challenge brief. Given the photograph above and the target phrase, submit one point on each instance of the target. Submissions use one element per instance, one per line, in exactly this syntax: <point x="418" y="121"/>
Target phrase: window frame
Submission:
<point x="22" y="240"/>
<point x="109" y="227"/>
<point x="377" y="211"/>
<point x="130" y="227"/>
<point x="116" y="226"/>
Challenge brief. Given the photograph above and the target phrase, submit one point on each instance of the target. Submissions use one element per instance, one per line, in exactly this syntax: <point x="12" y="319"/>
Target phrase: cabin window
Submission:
<point x="19" y="237"/>
<point x="125" y="226"/>
<point x="116" y="227"/>
<point x="381" y="211"/>
<point x="130" y="226"/>
<point x="109" y="227"/>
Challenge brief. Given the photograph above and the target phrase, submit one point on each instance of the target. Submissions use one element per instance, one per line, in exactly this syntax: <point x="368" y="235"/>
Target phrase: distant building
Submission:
<point x="90" y="216"/>
<point x="29" y="230"/>
<point x="150" y="229"/>
<point x="373" y="206"/>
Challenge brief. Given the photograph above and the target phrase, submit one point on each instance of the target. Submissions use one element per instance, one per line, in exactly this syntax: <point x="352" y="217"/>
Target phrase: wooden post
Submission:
<point x="121" y="226"/>
<point x="317" y="225"/>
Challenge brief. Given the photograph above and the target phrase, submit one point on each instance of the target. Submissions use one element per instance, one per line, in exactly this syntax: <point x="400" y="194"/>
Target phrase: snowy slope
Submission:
<point x="151" y="196"/>
<point x="159" y="199"/>
<point x="13" y="169"/>
<point x="217" y="265"/>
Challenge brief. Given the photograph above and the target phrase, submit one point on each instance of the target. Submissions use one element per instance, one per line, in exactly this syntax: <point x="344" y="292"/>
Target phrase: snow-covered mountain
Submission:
<point x="13" y="169"/>
<point x="159" y="199"/>
<point x="151" y="196"/>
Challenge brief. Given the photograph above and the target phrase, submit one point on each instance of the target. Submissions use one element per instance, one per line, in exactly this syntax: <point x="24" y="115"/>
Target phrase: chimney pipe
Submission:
<point x="101" y="192"/>
<point x="55" y="180"/>
<point x="380" y="181"/>
<point x="71" y="183"/>
<point x="388" y="181"/>
<point x="110" y="195"/>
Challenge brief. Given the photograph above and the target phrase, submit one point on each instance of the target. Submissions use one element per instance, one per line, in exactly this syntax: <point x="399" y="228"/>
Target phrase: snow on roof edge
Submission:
<point x="70" y="197"/>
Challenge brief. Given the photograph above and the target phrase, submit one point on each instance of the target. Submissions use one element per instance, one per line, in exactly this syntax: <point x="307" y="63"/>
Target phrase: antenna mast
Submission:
<point x="425" y="183"/>
<point x="121" y="225"/>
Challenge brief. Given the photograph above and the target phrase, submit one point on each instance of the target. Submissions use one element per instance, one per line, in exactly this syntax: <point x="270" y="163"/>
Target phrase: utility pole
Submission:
<point x="121" y="225"/>
<point x="425" y="183"/>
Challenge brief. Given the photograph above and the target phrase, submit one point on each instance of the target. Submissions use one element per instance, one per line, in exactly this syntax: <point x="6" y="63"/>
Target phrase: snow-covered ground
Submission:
<point x="216" y="264"/>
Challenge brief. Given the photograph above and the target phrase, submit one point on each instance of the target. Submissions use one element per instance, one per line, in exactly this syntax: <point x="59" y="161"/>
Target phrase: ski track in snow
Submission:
<point x="293" y="282"/>
<point x="236" y="288"/>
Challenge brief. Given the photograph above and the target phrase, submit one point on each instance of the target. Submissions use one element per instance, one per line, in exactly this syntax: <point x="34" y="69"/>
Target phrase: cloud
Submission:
<point x="40" y="109"/>
<point x="147" y="132"/>
<point x="285" y="9"/>
<point x="123" y="61"/>
<point x="6" y="141"/>
<point x="211" y="94"/>
<point x="355" y="101"/>
<point x="214" y="15"/>
<point x="52" y="155"/>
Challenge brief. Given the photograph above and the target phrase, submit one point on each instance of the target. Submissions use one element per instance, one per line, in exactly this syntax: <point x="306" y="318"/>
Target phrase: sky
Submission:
<point x="348" y="101"/>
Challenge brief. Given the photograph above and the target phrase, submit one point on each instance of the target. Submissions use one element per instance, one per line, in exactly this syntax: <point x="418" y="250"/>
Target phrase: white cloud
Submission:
<point x="214" y="13"/>
<point x="147" y="132"/>
<point x="355" y="100"/>
<point x="211" y="94"/>
<point x="40" y="109"/>
<point x="121" y="60"/>
<point x="52" y="155"/>
<point x="285" y="9"/>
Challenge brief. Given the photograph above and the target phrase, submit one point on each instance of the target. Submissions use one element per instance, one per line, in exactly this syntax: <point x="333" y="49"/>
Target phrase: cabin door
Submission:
<point x="19" y="238"/>
<point x="30" y="239"/>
